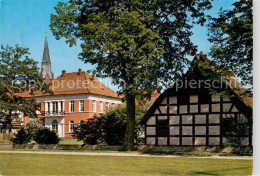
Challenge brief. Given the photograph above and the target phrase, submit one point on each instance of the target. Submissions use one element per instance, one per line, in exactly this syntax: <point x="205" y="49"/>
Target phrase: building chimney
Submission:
<point x="92" y="77"/>
<point x="63" y="73"/>
<point x="80" y="71"/>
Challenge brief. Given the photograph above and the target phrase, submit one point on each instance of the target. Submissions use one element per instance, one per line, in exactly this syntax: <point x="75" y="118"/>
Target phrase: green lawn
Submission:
<point x="36" y="164"/>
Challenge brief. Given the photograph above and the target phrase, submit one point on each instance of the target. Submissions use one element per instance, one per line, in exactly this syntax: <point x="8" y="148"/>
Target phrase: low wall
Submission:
<point x="197" y="149"/>
<point x="141" y="148"/>
<point x="61" y="147"/>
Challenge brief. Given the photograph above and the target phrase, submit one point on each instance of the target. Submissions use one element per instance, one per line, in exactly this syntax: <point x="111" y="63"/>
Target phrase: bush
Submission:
<point x="233" y="131"/>
<point x="114" y="126"/>
<point x="109" y="128"/>
<point x="23" y="136"/>
<point x="34" y="125"/>
<point x="90" y="131"/>
<point x="46" y="136"/>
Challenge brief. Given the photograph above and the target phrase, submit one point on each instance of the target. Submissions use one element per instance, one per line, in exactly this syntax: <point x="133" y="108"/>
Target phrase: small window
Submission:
<point x="163" y="128"/>
<point x="61" y="106"/>
<point x="94" y="105"/>
<point x="100" y="107"/>
<point x="55" y="107"/>
<point x="71" y="126"/>
<point x="107" y="106"/>
<point x="113" y="105"/>
<point x="49" y="107"/>
<point x="81" y="105"/>
<point x="71" y="106"/>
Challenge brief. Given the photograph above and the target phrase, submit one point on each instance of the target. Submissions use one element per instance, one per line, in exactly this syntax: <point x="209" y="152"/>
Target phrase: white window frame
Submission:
<point x="113" y="105"/>
<point x="73" y="106"/>
<point x="49" y="107"/>
<point x="94" y="105"/>
<point x="107" y="106"/>
<point x="62" y="108"/>
<point x="71" y="130"/>
<point x="81" y="101"/>
<point x="100" y="107"/>
<point x="55" y="125"/>
<point x="55" y="107"/>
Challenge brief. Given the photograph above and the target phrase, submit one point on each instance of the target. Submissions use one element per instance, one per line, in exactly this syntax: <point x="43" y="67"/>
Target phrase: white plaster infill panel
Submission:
<point x="204" y="108"/>
<point x="186" y="130"/>
<point x="163" y="109"/>
<point x="200" y="119"/>
<point x="151" y="121"/>
<point x="174" y="120"/>
<point x="215" y="98"/>
<point x="150" y="130"/>
<point x="162" y="140"/>
<point x="193" y="108"/>
<point x="173" y="109"/>
<point x="214" y="118"/>
<point x="186" y="140"/>
<point x="174" y="130"/>
<point x="150" y="140"/>
<point x="164" y="101"/>
<point x="187" y="119"/>
<point x="173" y="100"/>
<point x="200" y="141"/>
<point x="174" y="141"/>
<point x="194" y="99"/>
<point x="226" y="107"/>
<point x="183" y="109"/>
<point x="215" y="107"/>
<point x="200" y="130"/>
<point x="214" y="130"/>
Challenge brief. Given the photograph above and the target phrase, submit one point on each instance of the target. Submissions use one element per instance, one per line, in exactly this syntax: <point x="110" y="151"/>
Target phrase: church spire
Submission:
<point x="46" y="62"/>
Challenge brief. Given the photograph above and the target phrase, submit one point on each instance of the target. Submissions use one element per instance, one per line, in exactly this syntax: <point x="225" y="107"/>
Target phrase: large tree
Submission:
<point x="18" y="74"/>
<point x="134" y="42"/>
<point x="232" y="35"/>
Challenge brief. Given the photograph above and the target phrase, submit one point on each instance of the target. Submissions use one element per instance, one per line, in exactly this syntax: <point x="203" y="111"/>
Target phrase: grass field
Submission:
<point x="36" y="164"/>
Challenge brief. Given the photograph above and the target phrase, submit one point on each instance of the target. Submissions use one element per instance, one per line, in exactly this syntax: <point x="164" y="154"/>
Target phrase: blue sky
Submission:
<point x="24" y="22"/>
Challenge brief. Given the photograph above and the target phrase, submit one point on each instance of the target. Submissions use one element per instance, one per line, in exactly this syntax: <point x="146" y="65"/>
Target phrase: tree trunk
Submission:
<point x="130" y="123"/>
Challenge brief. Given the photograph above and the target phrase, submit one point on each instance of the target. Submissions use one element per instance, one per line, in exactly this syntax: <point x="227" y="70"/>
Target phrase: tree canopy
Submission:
<point x="145" y="40"/>
<point x="232" y="35"/>
<point x="18" y="73"/>
<point x="134" y="42"/>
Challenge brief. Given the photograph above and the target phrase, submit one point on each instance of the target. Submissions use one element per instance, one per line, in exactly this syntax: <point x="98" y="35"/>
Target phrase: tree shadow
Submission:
<point x="213" y="172"/>
<point x="203" y="173"/>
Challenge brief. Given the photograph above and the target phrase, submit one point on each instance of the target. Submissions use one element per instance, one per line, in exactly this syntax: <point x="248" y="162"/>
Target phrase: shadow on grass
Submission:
<point x="220" y="171"/>
<point x="203" y="173"/>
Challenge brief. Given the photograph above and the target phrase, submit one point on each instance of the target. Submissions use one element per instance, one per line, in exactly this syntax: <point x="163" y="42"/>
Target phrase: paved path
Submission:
<point x="124" y="154"/>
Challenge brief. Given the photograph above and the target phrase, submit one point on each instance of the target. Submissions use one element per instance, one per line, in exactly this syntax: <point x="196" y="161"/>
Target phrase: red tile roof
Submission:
<point x="75" y="83"/>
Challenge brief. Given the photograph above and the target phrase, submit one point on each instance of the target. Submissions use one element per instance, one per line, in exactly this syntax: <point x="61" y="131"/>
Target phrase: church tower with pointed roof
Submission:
<point x="46" y="62"/>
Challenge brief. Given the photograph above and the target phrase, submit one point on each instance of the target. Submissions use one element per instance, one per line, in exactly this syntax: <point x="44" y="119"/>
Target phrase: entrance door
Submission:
<point x="55" y="126"/>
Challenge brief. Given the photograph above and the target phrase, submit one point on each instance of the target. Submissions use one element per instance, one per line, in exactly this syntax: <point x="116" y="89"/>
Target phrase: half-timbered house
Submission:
<point x="197" y="115"/>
